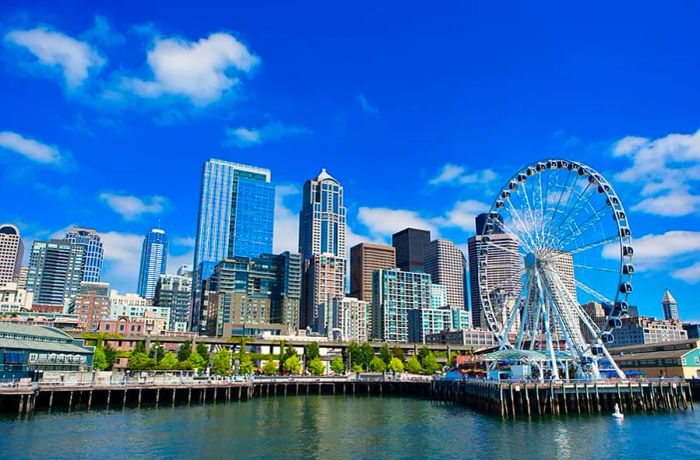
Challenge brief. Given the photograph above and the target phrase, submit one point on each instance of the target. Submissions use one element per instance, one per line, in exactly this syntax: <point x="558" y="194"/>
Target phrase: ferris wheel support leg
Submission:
<point x="619" y="372"/>
<point x="548" y="333"/>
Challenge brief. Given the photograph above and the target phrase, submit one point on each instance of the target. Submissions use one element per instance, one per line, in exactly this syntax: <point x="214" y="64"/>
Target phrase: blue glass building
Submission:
<point x="154" y="260"/>
<point x="236" y="218"/>
<point x="90" y="240"/>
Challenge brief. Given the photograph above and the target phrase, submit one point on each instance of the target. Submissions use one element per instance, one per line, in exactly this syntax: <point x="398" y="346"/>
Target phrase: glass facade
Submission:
<point x="154" y="259"/>
<point x="90" y="240"/>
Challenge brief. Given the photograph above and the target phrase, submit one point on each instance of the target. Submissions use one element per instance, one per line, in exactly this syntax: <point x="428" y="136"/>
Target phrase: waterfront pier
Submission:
<point x="511" y="399"/>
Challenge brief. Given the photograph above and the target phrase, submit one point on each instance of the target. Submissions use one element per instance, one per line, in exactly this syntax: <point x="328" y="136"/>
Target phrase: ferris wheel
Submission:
<point x="556" y="238"/>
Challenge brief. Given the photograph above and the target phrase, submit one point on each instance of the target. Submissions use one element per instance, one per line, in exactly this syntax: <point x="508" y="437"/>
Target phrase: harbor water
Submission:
<point x="342" y="427"/>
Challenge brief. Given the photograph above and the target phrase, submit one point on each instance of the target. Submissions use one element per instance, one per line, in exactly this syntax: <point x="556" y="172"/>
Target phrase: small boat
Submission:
<point x="617" y="414"/>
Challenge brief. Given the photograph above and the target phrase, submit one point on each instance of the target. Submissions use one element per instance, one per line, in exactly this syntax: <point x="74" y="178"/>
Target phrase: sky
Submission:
<point x="422" y="111"/>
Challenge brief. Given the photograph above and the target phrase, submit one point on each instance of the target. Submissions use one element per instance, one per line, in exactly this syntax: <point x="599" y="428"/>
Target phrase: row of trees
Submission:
<point x="363" y="358"/>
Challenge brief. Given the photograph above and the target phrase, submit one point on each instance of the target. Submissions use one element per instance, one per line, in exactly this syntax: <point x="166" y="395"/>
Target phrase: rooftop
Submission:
<point x="668" y="298"/>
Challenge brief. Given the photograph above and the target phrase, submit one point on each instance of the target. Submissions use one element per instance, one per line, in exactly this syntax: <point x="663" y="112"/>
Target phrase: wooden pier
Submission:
<point x="511" y="399"/>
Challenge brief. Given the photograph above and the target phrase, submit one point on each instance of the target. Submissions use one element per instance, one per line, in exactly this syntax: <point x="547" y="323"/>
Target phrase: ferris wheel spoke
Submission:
<point x="571" y="191"/>
<point x="517" y="236"/>
<point x="548" y="224"/>
<point x="571" y="209"/>
<point x="589" y="290"/>
<point x="533" y="221"/>
<point x="590" y="245"/>
<point x="593" y="219"/>
<point x="519" y="223"/>
<point x="508" y="280"/>
<point x="491" y="243"/>
<point x="602" y="269"/>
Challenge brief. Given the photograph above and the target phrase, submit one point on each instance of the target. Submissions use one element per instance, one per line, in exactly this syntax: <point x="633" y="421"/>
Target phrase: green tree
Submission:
<point x="337" y="365"/>
<point x="352" y="353"/>
<point x="453" y="358"/>
<point x="316" y="366"/>
<point x="270" y="368"/>
<point x="168" y="362"/>
<point x="385" y="354"/>
<point x="430" y="364"/>
<point x="185" y="365"/>
<point x="141" y="362"/>
<point x="157" y="351"/>
<point x="288" y="353"/>
<point x="184" y="352"/>
<point x="222" y="362"/>
<point x="197" y="361"/>
<point x="422" y="354"/>
<point x="110" y="355"/>
<point x="292" y="365"/>
<point x="312" y="351"/>
<point x="356" y="368"/>
<point x="413" y="365"/>
<point x="397" y="352"/>
<point x="246" y="365"/>
<point x="140" y="347"/>
<point x="377" y="364"/>
<point x="203" y="350"/>
<point x="367" y="353"/>
<point x="396" y="365"/>
<point x="99" y="360"/>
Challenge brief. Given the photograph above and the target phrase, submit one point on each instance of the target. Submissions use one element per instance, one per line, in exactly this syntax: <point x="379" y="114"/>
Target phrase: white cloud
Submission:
<point x="689" y="274"/>
<point x="30" y="148"/>
<point x="186" y="241"/>
<point x="131" y="207"/>
<point x="365" y="104"/>
<point x="455" y="174"/>
<point x="201" y="72"/>
<point x="103" y="33"/>
<point x="246" y="137"/>
<point x="286" y="231"/>
<point x="384" y="222"/>
<point x="667" y="170"/>
<point x="122" y="255"/>
<point x="75" y="59"/>
<point x="463" y="215"/>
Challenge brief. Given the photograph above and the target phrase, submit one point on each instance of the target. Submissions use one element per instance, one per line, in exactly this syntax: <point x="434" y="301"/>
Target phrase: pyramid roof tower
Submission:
<point x="668" y="298"/>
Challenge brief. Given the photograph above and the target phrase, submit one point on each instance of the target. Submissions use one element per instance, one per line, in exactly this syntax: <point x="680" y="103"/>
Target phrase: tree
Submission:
<point x="356" y="368"/>
<point x="366" y="353"/>
<point x="288" y="353"/>
<point x="99" y="360"/>
<point x="385" y="354"/>
<point x="246" y="365"/>
<point x="316" y="366"/>
<point x="183" y="354"/>
<point x="203" y="351"/>
<point x="110" y="355"/>
<point x="430" y="364"/>
<point x="270" y="368"/>
<point x="140" y="348"/>
<point x="140" y="362"/>
<point x="185" y="365"/>
<point x="169" y="361"/>
<point x="396" y="365"/>
<point x="413" y="365"/>
<point x="197" y="361"/>
<point x="422" y="354"/>
<point x="312" y="351"/>
<point x="222" y="362"/>
<point x="292" y="365"/>
<point x="157" y="351"/>
<point x="377" y="364"/>
<point x="397" y="352"/>
<point x="352" y="353"/>
<point x="337" y="365"/>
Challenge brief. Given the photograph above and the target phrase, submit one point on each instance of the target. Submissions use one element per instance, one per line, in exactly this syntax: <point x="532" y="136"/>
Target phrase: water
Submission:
<point x="343" y="427"/>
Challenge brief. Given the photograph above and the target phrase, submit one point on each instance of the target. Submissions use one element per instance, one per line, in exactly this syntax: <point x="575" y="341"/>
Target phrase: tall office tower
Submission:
<point x="55" y="272"/>
<point x="410" y="245"/>
<point x="448" y="267"/>
<point x="503" y="271"/>
<point x="154" y="259"/>
<point x="91" y="304"/>
<point x="322" y="228"/>
<point x="90" y="240"/>
<point x="365" y="258"/>
<point x="175" y="292"/>
<point x="394" y="294"/>
<point x="236" y="218"/>
<point x="11" y="253"/>
<point x="670" y="306"/>
<point x="258" y="291"/>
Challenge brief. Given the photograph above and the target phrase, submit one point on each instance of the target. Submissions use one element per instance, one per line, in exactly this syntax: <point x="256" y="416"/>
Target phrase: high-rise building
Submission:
<point x="448" y="267"/>
<point x="11" y="253"/>
<point x="410" y="246"/>
<point x="350" y="318"/>
<point x="394" y="294"/>
<point x="55" y="272"/>
<point x="365" y="258"/>
<point x="236" y="218"/>
<point x="638" y="330"/>
<point x="322" y="229"/>
<point x="503" y="271"/>
<point x="91" y="304"/>
<point x="154" y="260"/>
<point x="670" y="306"/>
<point x="426" y="321"/>
<point x="175" y="293"/>
<point x="90" y="240"/>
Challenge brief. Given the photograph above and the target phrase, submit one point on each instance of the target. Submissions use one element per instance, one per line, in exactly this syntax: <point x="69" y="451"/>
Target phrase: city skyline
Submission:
<point x="459" y="164"/>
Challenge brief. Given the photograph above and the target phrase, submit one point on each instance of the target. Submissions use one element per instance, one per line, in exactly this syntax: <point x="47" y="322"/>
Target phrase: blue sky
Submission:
<point x="422" y="112"/>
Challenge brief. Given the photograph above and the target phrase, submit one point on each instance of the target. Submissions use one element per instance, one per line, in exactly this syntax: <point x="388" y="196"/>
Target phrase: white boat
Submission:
<point x="617" y="414"/>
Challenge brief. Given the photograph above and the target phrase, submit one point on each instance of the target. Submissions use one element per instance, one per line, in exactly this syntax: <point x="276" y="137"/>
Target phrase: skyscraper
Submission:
<point x="322" y="228"/>
<point x="365" y="258"/>
<point x="175" y="292"/>
<point x="11" y="253"/>
<point x="90" y="240"/>
<point x="410" y="244"/>
<point x="395" y="294"/>
<point x="447" y="266"/>
<point x="236" y="218"/>
<point x="154" y="259"/>
<point x="670" y="306"/>
<point x="503" y="270"/>
<point x="55" y="272"/>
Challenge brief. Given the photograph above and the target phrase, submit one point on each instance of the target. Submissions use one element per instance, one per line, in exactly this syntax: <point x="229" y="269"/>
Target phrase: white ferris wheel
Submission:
<point x="556" y="238"/>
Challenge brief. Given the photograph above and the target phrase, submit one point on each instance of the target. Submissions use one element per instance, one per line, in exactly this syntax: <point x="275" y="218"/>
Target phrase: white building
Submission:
<point x="11" y="253"/>
<point x="14" y="299"/>
<point x="115" y="298"/>
<point x="351" y="319"/>
<point x="438" y="296"/>
<point x="325" y="282"/>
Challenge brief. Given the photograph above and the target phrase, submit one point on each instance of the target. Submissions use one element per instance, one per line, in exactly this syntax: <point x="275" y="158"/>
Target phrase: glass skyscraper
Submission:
<point x="90" y="240"/>
<point x="236" y="218"/>
<point x="154" y="260"/>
